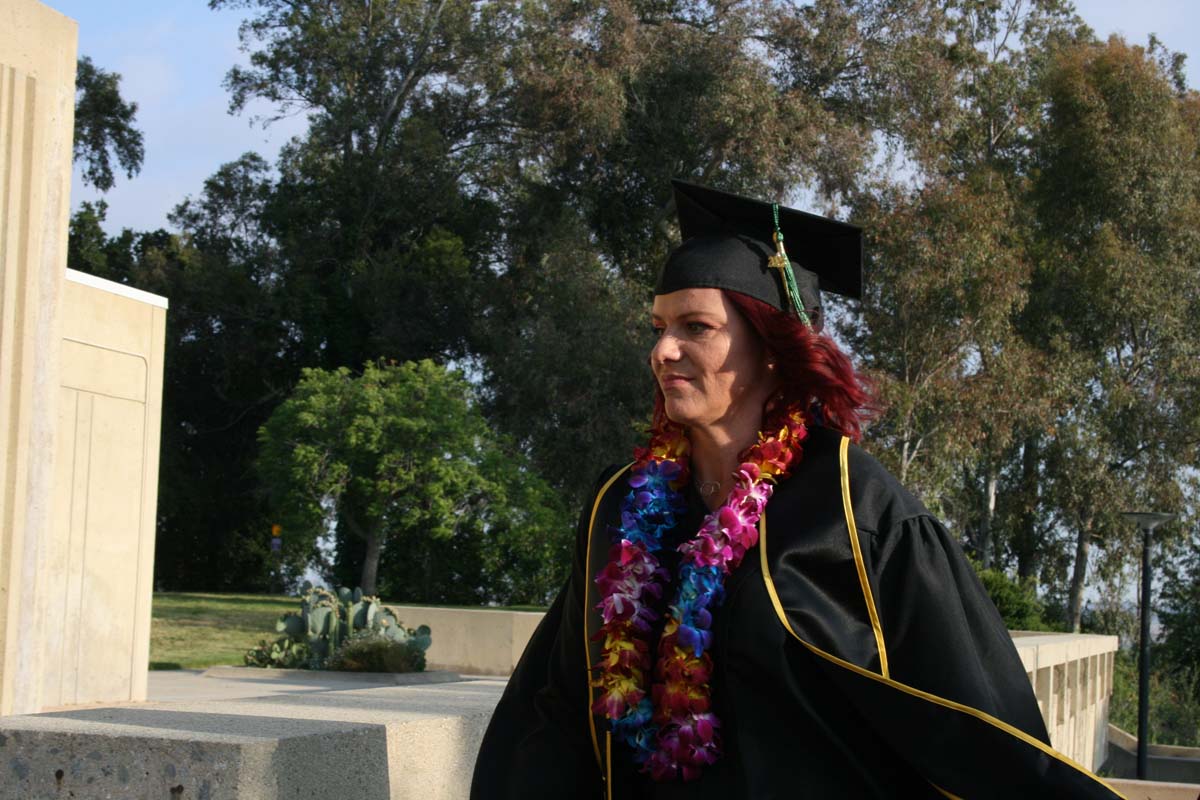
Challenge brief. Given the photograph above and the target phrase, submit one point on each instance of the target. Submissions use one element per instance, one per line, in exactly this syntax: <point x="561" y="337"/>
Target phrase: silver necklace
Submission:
<point x="707" y="488"/>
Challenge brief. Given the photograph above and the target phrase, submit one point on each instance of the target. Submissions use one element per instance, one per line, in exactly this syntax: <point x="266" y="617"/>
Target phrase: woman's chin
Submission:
<point x="680" y="413"/>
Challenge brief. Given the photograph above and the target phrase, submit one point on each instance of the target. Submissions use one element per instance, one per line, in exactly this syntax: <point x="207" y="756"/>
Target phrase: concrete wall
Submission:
<point x="473" y="641"/>
<point x="1154" y="790"/>
<point x="99" y="561"/>
<point x="37" y="108"/>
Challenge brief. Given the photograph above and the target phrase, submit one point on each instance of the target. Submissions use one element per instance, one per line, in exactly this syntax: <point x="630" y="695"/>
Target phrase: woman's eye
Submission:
<point x="696" y="327"/>
<point x="657" y="331"/>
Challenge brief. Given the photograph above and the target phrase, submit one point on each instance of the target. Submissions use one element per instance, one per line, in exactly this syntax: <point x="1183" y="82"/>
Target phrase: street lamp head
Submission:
<point x="1147" y="520"/>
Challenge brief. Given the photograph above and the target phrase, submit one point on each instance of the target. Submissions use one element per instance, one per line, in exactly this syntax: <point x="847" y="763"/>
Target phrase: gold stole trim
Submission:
<point x="587" y="585"/>
<point x="852" y="527"/>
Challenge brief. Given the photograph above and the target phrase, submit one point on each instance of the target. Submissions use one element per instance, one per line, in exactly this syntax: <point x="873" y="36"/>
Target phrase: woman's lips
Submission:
<point x="673" y="381"/>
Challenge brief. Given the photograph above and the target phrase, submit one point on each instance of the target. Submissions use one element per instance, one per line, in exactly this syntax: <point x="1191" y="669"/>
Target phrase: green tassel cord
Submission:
<point x="781" y="262"/>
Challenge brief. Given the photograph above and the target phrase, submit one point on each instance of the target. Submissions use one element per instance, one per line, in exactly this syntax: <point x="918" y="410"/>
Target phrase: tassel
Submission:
<point x="781" y="262"/>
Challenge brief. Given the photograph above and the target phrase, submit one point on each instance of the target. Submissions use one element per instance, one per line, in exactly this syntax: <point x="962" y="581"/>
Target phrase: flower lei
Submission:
<point x="673" y="731"/>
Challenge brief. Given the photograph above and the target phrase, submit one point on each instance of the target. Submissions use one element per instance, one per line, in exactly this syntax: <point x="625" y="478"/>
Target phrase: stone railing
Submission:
<point x="1072" y="678"/>
<point x="1071" y="673"/>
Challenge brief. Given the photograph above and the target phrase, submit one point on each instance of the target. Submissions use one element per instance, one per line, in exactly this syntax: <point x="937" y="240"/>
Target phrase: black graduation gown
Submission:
<point x="856" y="655"/>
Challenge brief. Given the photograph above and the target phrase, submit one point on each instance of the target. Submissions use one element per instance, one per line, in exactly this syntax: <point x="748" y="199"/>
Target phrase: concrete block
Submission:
<point x="415" y="742"/>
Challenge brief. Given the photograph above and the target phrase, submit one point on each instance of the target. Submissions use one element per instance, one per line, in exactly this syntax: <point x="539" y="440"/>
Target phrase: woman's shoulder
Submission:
<point x="880" y="502"/>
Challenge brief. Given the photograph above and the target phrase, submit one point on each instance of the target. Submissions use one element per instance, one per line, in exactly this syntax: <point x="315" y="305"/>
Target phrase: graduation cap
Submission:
<point x="736" y="243"/>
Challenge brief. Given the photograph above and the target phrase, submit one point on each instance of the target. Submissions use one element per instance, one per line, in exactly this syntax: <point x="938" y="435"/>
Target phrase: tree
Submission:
<point x="963" y="394"/>
<point x="1116" y="294"/>
<point x="1179" y="612"/>
<point x="947" y="270"/>
<point x="104" y="126"/>
<point x="608" y="101"/>
<point x="373" y="211"/>
<point x="402" y="458"/>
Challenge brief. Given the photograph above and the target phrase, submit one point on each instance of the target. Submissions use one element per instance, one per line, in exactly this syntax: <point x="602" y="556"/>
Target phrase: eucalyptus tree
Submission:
<point x="1117" y="289"/>
<point x="949" y="262"/>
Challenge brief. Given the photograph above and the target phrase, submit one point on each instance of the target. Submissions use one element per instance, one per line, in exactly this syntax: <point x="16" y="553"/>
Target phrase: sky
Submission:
<point x="173" y="55"/>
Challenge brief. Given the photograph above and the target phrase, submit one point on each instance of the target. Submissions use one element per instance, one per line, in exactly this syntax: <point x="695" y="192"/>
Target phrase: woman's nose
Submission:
<point x="666" y="349"/>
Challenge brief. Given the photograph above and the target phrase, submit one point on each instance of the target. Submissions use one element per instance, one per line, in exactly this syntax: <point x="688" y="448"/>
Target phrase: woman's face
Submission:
<point x="708" y="361"/>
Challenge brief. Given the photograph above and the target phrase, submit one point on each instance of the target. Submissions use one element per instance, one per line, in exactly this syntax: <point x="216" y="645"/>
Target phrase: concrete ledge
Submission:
<point x="393" y="743"/>
<point x="270" y="675"/>
<point x="1163" y="762"/>
<point x="1155" y="790"/>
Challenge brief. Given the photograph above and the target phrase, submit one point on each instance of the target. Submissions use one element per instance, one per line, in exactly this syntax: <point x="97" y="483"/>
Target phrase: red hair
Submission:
<point x="810" y="366"/>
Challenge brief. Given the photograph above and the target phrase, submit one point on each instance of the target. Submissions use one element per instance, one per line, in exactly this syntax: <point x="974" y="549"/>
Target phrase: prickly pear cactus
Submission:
<point x="325" y="622"/>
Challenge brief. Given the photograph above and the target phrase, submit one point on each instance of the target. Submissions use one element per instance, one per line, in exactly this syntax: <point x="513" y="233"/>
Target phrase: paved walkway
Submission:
<point x="234" y="683"/>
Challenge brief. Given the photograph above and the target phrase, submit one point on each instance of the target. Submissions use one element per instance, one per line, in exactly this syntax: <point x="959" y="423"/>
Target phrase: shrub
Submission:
<point x="1017" y="603"/>
<point x="283" y="653"/>
<point x="372" y="652"/>
<point x="1174" y="701"/>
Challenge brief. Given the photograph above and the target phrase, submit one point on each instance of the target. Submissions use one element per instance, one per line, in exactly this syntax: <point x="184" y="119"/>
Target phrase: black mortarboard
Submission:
<point x="726" y="246"/>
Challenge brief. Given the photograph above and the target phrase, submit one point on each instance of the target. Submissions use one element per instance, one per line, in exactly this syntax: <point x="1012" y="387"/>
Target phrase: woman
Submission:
<point x="756" y="608"/>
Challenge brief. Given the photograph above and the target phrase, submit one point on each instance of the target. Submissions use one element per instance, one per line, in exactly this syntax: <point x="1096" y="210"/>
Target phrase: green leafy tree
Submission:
<point x="1174" y="702"/>
<point x="402" y="458"/>
<point x="1179" y="612"/>
<point x="610" y="100"/>
<point x="1116" y="294"/>
<point x="963" y="394"/>
<point x="947" y="270"/>
<point x="372" y="210"/>
<point x="104" y="126"/>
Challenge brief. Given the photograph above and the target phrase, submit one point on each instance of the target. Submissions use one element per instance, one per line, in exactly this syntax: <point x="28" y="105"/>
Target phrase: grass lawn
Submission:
<point x="194" y="630"/>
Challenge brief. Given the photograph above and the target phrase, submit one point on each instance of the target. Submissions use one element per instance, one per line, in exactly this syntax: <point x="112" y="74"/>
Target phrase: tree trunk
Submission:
<point x="983" y="547"/>
<point x="370" y="569"/>
<point x="1027" y="545"/>
<point x="1083" y="545"/>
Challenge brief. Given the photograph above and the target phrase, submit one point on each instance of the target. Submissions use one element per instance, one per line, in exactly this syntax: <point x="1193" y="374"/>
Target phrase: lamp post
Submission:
<point x="1147" y="521"/>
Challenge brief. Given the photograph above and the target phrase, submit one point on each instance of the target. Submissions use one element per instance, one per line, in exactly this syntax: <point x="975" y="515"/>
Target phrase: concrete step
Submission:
<point x="380" y="743"/>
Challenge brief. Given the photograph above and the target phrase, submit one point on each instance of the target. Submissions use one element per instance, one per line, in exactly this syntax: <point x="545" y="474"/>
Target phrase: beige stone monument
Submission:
<point x="80" y="409"/>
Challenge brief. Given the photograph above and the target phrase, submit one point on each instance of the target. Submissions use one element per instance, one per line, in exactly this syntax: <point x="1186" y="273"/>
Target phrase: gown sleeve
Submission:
<point x="943" y="633"/>
<point x="538" y="743"/>
<point x="957" y="702"/>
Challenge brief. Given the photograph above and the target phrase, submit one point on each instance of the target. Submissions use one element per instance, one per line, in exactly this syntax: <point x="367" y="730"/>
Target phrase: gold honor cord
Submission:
<point x="943" y="792"/>
<point x="608" y="761"/>
<point x="852" y="527"/>
<point x="922" y="695"/>
<point x="587" y="582"/>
